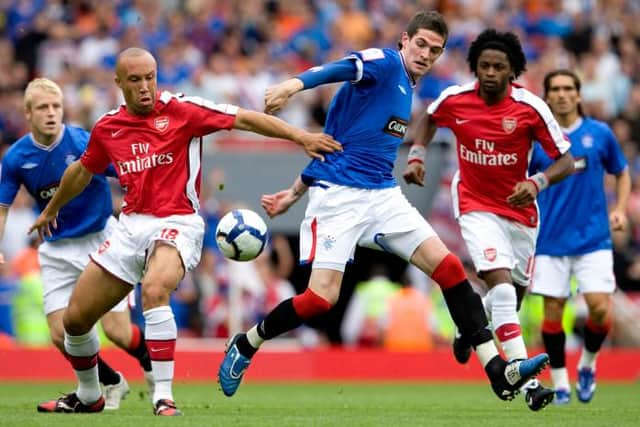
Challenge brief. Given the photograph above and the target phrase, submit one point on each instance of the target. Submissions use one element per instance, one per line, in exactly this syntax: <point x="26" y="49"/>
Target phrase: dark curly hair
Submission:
<point x="506" y="42"/>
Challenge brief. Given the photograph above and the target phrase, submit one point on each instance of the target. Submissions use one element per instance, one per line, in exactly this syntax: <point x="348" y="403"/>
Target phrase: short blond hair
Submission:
<point x="42" y="84"/>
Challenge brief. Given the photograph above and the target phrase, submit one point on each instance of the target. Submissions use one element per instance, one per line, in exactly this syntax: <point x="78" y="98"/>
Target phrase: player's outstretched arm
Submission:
<point x="345" y="69"/>
<point x="314" y="144"/>
<point x="280" y="202"/>
<point x="75" y="178"/>
<point x="423" y="133"/>
<point x="277" y="96"/>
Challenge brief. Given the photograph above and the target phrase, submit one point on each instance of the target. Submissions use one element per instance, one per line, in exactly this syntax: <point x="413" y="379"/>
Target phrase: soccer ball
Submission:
<point x="241" y="235"/>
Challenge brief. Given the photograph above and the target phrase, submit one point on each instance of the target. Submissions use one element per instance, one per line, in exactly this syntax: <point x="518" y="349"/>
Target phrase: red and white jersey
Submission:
<point x="494" y="145"/>
<point x="157" y="156"/>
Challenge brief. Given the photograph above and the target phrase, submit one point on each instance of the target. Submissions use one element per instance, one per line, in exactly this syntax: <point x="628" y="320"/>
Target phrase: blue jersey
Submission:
<point x="369" y="118"/>
<point x="39" y="168"/>
<point x="574" y="218"/>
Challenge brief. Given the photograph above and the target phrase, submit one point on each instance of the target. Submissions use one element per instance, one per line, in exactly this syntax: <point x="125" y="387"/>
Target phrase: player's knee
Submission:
<point x="553" y="309"/>
<point x="155" y="294"/>
<point x="74" y="322"/>
<point x="599" y="312"/>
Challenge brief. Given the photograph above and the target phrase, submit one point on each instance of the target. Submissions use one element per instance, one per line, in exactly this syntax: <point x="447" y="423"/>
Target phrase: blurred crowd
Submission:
<point x="230" y="51"/>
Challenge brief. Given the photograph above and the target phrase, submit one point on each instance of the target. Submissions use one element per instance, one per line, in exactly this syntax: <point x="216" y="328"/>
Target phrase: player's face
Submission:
<point x="563" y="97"/>
<point x="421" y="51"/>
<point x="45" y="115"/>
<point x="493" y="71"/>
<point x="137" y="80"/>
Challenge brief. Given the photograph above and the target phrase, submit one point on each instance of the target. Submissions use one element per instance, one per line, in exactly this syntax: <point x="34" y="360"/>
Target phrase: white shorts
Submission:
<point x="125" y="253"/>
<point x="61" y="263"/>
<point x="338" y="218"/>
<point x="495" y="242"/>
<point x="593" y="272"/>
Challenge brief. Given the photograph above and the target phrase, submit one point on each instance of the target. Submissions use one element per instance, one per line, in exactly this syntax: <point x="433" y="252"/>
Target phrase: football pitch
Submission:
<point x="330" y="404"/>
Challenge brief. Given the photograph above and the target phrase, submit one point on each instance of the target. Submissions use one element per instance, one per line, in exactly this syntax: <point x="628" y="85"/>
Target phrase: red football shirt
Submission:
<point x="494" y="145"/>
<point x="157" y="156"/>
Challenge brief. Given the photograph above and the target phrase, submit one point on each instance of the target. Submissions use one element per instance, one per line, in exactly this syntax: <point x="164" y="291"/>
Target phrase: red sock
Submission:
<point x="552" y="326"/>
<point x="82" y="363"/>
<point x="309" y="304"/>
<point x="449" y="273"/>
<point x="161" y="350"/>
<point x="136" y="336"/>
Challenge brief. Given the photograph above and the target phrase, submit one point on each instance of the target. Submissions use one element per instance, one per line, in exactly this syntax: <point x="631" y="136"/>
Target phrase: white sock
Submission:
<point x="560" y="378"/>
<point x="86" y="345"/>
<point x="486" y="351"/>
<point x="161" y="326"/>
<point x="505" y="320"/>
<point x="587" y="359"/>
<point x="254" y="338"/>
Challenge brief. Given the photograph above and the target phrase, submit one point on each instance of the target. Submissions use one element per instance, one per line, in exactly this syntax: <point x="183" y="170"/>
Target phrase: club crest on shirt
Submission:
<point x="70" y="158"/>
<point x="587" y="141"/>
<point x="161" y="123"/>
<point x="490" y="254"/>
<point x="328" y="242"/>
<point x="509" y="124"/>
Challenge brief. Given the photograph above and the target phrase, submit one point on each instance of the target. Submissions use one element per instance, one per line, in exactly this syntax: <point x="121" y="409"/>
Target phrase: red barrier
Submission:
<point x="314" y="365"/>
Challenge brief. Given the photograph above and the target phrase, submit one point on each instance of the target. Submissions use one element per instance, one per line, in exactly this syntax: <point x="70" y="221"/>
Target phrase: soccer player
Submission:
<point x="37" y="161"/>
<point x="154" y="142"/>
<point x="575" y="237"/>
<point x="355" y="200"/>
<point x="496" y="123"/>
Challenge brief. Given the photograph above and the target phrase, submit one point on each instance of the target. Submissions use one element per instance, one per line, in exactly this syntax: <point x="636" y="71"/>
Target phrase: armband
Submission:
<point x="417" y="154"/>
<point x="540" y="180"/>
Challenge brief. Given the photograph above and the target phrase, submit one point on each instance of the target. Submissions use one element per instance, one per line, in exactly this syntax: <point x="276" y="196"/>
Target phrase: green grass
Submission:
<point x="331" y="404"/>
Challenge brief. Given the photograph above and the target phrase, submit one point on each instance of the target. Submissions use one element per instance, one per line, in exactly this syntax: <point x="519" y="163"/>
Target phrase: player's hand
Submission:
<point x="414" y="174"/>
<point x="1" y="258"/>
<point x="617" y="220"/>
<point x="314" y="144"/>
<point x="277" y="96"/>
<point x="278" y="203"/>
<point x="524" y="193"/>
<point x="44" y="224"/>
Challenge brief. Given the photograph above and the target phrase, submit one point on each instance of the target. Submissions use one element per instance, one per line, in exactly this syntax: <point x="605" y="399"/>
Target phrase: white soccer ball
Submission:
<point x="241" y="235"/>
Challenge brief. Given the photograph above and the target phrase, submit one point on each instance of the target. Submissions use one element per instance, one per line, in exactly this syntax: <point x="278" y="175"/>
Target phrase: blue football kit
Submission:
<point x="368" y="116"/>
<point x="574" y="217"/>
<point x="39" y="168"/>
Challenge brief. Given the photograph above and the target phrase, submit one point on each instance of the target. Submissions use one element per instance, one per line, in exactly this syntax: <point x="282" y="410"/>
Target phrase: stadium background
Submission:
<point x="229" y="52"/>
